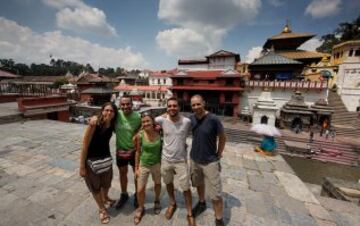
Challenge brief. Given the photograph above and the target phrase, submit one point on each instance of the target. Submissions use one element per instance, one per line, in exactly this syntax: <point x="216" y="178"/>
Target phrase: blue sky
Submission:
<point x="154" y="34"/>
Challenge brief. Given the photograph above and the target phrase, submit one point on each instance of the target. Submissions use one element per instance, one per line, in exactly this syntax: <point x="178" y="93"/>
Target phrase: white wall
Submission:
<point x="164" y="81"/>
<point x="280" y="96"/>
<point x="348" y="82"/>
<point x="222" y="63"/>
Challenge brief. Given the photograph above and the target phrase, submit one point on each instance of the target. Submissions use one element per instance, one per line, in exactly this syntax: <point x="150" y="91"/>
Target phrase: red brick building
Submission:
<point x="221" y="89"/>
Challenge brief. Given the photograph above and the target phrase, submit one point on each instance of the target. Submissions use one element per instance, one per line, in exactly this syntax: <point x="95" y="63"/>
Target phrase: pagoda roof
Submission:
<point x="86" y="78"/>
<point x="98" y="90"/>
<point x="273" y="58"/>
<point x="301" y="54"/>
<point x="287" y="39"/>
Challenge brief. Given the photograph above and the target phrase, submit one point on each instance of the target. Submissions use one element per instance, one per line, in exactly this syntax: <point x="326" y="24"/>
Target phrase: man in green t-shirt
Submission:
<point x="128" y="123"/>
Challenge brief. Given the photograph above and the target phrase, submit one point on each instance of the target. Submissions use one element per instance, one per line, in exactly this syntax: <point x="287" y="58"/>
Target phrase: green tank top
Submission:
<point x="150" y="151"/>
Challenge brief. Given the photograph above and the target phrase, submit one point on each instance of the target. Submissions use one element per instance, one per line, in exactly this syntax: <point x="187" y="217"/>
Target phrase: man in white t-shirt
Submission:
<point x="174" y="157"/>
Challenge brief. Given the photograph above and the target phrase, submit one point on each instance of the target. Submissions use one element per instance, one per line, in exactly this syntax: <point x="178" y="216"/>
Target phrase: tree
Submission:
<point x="345" y="32"/>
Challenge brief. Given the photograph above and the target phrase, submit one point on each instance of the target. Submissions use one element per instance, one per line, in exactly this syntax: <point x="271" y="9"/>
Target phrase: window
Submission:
<point x="158" y="81"/>
<point x="164" y="81"/>
<point x="351" y="52"/>
<point x="357" y="52"/>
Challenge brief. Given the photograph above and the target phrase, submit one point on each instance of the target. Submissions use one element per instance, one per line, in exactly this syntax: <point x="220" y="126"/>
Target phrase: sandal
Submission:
<point x="104" y="216"/>
<point x="157" y="207"/>
<point x="170" y="211"/>
<point x="139" y="213"/>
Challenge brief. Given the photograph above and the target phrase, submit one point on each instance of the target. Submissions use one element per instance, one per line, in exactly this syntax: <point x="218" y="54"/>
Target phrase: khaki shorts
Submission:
<point x="181" y="169"/>
<point x="208" y="174"/>
<point x="145" y="171"/>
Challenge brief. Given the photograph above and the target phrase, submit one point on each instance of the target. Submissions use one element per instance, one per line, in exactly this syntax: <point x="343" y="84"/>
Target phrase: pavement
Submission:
<point x="40" y="185"/>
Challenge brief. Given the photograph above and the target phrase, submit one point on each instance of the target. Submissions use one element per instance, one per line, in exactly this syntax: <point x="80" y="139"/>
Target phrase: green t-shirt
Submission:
<point x="126" y="127"/>
<point x="150" y="151"/>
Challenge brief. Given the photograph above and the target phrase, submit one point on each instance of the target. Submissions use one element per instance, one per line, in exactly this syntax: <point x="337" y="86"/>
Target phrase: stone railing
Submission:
<point x="287" y="84"/>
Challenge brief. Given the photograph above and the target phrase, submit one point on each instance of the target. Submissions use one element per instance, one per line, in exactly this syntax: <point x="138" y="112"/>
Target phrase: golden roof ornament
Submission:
<point x="286" y="28"/>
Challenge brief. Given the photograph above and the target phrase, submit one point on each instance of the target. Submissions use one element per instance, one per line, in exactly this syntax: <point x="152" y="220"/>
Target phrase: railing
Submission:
<point x="287" y="84"/>
<point x="28" y="89"/>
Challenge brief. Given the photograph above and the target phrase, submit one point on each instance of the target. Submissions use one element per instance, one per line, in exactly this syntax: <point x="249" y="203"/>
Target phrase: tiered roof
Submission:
<point x="296" y="105"/>
<point x="287" y="39"/>
<point x="272" y="58"/>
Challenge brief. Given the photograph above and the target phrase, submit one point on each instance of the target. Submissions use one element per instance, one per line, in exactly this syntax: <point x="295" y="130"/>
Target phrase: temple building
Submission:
<point x="265" y="109"/>
<point x="221" y="89"/>
<point x="280" y="69"/>
<point x="287" y="43"/>
<point x="296" y="113"/>
<point x="346" y="56"/>
<point x="322" y="111"/>
<point x="215" y="78"/>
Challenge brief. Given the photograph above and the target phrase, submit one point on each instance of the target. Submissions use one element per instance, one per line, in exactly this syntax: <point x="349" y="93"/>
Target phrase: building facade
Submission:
<point x="221" y="89"/>
<point x="346" y="56"/>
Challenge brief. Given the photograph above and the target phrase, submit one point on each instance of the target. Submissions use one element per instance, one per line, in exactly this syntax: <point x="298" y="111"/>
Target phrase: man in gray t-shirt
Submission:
<point x="174" y="157"/>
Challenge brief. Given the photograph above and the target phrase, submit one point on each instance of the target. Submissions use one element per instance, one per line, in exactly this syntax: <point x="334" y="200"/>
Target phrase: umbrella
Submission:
<point x="266" y="130"/>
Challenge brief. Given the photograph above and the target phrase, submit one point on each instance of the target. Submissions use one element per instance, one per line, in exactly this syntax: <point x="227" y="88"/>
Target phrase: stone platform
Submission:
<point x="40" y="185"/>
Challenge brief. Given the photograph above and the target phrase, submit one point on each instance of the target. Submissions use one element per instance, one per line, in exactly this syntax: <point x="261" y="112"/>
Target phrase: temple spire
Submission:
<point x="287" y="27"/>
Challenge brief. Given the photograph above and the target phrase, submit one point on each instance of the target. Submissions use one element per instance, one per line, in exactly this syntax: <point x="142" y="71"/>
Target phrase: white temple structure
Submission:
<point x="264" y="110"/>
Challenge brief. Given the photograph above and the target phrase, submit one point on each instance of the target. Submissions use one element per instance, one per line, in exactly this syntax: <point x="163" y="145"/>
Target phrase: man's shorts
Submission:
<point x="208" y="174"/>
<point x="145" y="171"/>
<point x="120" y="162"/>
<point x="181" y="169"/>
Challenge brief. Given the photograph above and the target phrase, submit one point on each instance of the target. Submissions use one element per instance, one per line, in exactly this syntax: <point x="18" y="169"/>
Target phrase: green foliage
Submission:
<point x="344" y="32"/>
<point x="56" y="68"/>
<point x="59" y="82"/>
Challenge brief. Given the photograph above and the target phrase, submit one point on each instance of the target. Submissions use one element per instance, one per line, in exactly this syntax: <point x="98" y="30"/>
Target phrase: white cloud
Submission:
<point x="207" y="20"/>
<point x="75" y="15"/>
<point x="253" y="53"/>
<point x="311" y="45"/>
<point x="182" y="41"/>
<point x="323" y="8"/>
<point x="24" y="45"/>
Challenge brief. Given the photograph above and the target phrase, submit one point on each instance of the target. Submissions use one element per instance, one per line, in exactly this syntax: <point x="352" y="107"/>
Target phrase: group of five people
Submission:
<point x="140" y="143"/>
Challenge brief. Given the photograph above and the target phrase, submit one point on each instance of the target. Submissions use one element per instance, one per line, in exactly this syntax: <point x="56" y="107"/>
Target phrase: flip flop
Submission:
<point x="139" y="213"/>
<point x="104" y="216"/>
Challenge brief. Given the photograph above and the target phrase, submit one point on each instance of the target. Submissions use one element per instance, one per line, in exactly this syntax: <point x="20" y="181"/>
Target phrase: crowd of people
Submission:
<point x="156" y="147"/>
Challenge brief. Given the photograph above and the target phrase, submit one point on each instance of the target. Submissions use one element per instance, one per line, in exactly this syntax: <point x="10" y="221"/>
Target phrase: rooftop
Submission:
<point x="40" y="185"/>
<point x="273" y="58"/>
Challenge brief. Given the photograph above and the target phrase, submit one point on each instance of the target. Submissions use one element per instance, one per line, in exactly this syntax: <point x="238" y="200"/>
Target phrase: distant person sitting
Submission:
<point x="297" y="128"/>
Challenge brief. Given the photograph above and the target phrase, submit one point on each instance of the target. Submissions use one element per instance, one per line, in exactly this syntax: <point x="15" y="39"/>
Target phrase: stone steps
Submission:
<point x="348" y="155"/>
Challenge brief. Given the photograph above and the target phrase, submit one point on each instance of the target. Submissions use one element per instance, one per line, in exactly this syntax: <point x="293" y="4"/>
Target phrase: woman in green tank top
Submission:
<point x="147" y="161"/>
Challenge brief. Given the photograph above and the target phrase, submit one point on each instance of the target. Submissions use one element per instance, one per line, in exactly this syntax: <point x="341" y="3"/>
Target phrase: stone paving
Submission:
<point x="39" y="185"/>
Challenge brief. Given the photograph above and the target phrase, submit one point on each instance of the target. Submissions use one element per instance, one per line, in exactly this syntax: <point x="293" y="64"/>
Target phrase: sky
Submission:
<point x="154" y="34"/>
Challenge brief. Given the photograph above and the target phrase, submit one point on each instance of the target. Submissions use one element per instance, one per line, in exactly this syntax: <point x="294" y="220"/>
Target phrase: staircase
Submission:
<point x="348" y="156"/>
<point x="345" y="122"/>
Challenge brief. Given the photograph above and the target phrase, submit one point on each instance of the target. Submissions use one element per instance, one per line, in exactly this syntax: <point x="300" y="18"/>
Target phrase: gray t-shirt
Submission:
<point x="174" y="141"/>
